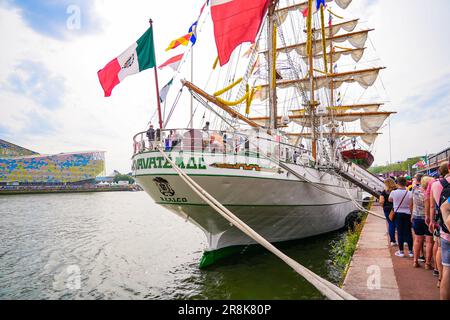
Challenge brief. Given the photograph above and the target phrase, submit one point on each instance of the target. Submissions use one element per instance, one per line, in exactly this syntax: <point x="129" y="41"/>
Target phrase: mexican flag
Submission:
<point x="138" y="57"/>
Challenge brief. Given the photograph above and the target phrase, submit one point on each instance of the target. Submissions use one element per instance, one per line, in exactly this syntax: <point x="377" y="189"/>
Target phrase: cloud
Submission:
<point x="39" y="124"/>
<point x="419" y="128"/>
<point x="4" y="131"/>
<point x="32" y="79"/>
<point x="67" y="111"/>
<point x="57" y="19"/>
<point x="433" y="98"/>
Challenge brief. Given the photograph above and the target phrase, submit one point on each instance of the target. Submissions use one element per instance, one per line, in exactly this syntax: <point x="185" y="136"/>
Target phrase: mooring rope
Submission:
<point x="325" y="287"/>
<point x="360" y="207"/>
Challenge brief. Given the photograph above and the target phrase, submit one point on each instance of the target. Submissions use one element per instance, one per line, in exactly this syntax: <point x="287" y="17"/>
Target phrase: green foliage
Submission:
<point x="342" y="250"/>
<point x="123" y="177"/>
<point x="402" y="166"/>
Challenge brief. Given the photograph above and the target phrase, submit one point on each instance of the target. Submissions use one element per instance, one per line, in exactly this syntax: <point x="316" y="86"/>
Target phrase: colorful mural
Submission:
<point x="60" y="168"/>
<point x="8" y="149"/>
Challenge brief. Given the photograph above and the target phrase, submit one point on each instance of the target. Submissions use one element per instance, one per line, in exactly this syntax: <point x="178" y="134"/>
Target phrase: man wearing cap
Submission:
<point x="409" y="183"/>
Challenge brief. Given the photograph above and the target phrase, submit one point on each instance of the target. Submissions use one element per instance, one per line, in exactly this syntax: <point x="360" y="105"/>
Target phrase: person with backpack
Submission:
<point x="440" y="192"/>
<point x="402" y="216"/>
<point x="445" y="209"/>
<point x="445" y="282"/>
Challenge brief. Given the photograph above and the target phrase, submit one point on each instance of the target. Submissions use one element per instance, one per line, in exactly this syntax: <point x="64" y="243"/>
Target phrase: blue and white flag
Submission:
<point x="193" y="28"/>
<point x="320" y="2"/>
<point x="164" y="91"/>
<point x="193" y="31"/>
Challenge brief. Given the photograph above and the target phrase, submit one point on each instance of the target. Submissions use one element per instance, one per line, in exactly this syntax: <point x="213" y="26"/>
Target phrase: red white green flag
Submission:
<point x="138" y="57"/>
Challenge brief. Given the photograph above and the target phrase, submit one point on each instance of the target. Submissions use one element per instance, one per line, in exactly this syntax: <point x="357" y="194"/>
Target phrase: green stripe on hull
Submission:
<point x="251" y="205"/>
<point x="231" y="176"/>
<point x="211" y="257"/>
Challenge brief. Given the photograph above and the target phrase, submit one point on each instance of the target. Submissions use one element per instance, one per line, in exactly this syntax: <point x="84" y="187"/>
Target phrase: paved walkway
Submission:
<point x="414" y="283"/>
<point x="371" y="274"/>
<point x="375" y="273"/>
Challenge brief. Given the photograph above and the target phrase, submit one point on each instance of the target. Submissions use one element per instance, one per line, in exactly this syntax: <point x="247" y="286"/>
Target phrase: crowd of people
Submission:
<point x="205" y="140"/>
<point x="417" y="211"/>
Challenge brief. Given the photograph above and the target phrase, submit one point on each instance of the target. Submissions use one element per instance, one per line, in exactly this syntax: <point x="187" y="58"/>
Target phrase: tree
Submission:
<point x="123" y="177"/>
<point x="401" y="166"/>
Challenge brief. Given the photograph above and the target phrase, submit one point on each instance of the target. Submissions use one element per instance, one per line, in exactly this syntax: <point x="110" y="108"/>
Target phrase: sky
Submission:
<point x="51" y="100"/>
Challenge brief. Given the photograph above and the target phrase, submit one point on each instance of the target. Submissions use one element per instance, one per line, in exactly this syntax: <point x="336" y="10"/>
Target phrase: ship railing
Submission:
<point x="219" y="141"/>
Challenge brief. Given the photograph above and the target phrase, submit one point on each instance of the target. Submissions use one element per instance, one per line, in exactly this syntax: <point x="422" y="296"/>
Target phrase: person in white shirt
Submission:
<point x="402" y="199"/>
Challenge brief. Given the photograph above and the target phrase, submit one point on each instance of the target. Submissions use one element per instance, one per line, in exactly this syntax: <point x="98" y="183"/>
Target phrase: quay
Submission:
<point x="65" y="189"/>
<point x="375" y="273"/>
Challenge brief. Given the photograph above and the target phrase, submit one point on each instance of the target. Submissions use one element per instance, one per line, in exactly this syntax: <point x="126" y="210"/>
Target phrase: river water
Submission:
<point x="123" y="246"/>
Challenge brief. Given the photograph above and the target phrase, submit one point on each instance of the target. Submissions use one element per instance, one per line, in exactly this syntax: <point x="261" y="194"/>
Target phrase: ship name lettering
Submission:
<point x="160" y="163"/>
<point x="174" y="200"/>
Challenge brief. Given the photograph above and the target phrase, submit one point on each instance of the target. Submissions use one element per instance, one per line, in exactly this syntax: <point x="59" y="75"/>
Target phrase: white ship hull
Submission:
<point x="273" y="202"/>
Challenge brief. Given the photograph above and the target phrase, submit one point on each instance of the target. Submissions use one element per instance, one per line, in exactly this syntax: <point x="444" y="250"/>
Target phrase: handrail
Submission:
<point x="233" y="142"/>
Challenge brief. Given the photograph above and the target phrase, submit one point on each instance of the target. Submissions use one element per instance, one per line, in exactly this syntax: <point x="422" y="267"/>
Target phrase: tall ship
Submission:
<point x="286" y="139"/>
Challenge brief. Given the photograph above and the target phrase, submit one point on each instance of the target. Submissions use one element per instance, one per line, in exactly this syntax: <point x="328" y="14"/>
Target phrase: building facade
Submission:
<point x="24" y="167"/>
<point x="435" y="161"/>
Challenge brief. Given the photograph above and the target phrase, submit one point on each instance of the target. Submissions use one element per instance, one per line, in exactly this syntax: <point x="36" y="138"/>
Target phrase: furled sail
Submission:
<point x="356" y="39"/>
<point x="365" y="78"/>
<point x="348" y="26"/>
<point x="356" y="55"/>
<point x="368" y="138"/>
<point x="283" y="12"/>
<point x="330" y="44"/>
<point x="375" y="107"/>
<point x="370" y="122"/>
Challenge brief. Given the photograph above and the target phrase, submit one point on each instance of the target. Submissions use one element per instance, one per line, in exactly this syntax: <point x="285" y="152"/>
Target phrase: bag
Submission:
<point x="445" y="194"/>
<point x="392" y="214"/>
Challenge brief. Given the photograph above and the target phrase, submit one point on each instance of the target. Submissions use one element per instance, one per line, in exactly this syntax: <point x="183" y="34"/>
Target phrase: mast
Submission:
<point x="331" y="65"/>
<point x="312" y="103"/>
<point x="191" y="116"/>
<point x="158" y="98"/>
<point x="333" y="129"/>
<point x="272" y="48"/>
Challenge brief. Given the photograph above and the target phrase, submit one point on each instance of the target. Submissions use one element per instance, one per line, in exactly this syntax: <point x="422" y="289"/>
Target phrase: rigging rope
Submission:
<point x="173" y="106"/>
<point x="208" y="107"/>
<point x="325" y="287"/>
<point x="317" y="186"/>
